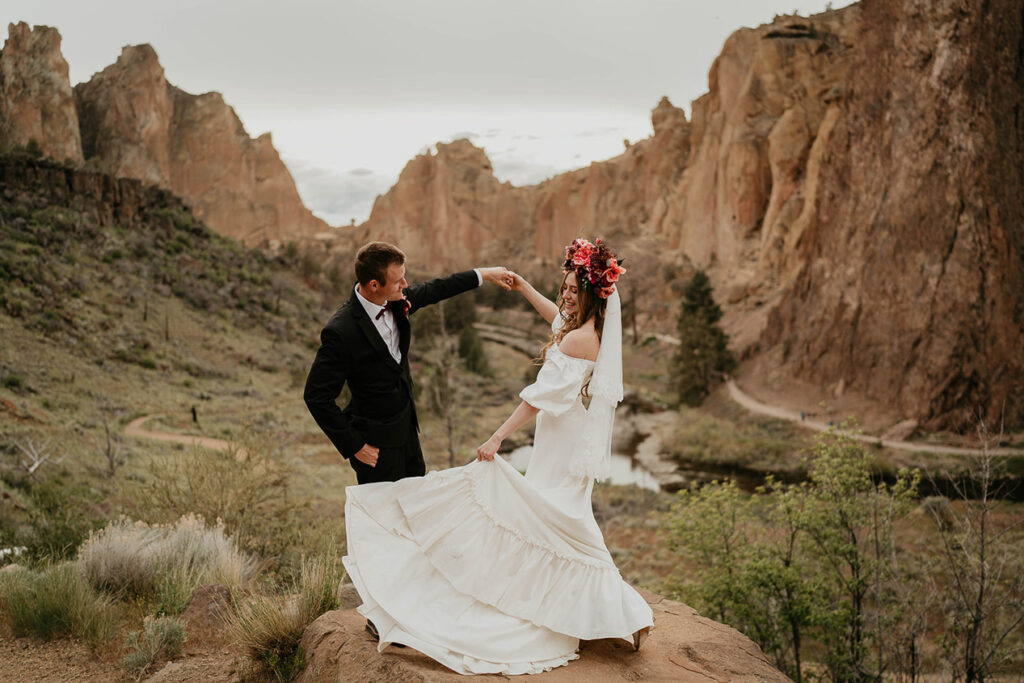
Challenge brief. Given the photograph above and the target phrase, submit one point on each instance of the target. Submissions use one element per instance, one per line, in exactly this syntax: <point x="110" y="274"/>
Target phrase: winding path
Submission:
<point x="135" y="428"/>
<point x="755" y="406"/>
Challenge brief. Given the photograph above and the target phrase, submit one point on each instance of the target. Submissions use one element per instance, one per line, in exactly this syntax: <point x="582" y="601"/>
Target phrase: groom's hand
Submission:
<point x="367" y="455"/>
<point x="499" y="275"/>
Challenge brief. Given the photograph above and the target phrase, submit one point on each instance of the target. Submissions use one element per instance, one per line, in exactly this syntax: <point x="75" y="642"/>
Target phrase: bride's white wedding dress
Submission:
<point x="490" y="571"/>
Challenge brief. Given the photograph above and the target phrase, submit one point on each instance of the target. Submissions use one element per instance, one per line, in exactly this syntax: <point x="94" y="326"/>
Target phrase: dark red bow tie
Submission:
<point x="381" y="313"/>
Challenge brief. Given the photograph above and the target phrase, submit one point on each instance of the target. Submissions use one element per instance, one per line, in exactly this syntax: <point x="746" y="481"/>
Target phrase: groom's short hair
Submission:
<point x="373" y="259"/>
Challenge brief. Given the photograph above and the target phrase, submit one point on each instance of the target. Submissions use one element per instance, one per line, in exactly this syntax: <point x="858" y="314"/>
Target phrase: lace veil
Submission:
<point x="595" y="458"/>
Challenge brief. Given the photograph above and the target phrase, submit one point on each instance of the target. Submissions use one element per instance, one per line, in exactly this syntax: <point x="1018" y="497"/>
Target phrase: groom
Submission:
<point x="366" y="343"/>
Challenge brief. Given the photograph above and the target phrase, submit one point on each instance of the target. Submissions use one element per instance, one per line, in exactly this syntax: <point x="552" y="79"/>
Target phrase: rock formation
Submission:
<point x="36" y="101"/>
<point x="138" y="125"/>
<point x="911" y="283"/>
<point x="851" y="181"/>
<point x="453" y="191"/>
<point x="683" y="647"/>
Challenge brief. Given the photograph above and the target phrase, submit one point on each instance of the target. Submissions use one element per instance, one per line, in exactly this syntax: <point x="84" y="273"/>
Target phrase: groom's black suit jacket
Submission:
<point x="381" y="412"/>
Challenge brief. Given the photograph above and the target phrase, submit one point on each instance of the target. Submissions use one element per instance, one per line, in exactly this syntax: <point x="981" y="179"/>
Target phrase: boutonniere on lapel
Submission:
<point x="402" y="305"/>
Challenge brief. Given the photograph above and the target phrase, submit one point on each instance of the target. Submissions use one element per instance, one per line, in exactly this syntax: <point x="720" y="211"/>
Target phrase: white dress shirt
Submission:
<point x="385" y="324"/>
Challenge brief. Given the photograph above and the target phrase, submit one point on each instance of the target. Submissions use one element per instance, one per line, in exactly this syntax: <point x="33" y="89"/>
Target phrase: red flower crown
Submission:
<point x="595" y="265"/>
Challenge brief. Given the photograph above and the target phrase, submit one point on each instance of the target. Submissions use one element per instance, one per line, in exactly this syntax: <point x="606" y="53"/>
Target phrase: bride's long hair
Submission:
<point x="588" y="305"/>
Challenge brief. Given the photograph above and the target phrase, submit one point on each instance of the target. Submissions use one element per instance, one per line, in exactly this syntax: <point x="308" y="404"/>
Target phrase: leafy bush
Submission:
<point x="57" y="601"/>
<point x="59" y="515"/>
<point x="245" y="486"/>
<point x="161" y="638"/>
<point x="811" y="562"/>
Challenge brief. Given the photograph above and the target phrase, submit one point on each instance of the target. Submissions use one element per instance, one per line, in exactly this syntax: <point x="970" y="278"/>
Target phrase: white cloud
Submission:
<point x="339" y="198"/>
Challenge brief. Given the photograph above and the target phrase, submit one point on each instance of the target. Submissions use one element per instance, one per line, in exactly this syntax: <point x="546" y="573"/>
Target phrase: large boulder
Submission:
<point x="684" y="647"/>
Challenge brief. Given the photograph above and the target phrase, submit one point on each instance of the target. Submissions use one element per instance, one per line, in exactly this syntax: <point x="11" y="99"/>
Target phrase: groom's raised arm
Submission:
<point x="323" y="385"/>
<point x="439" y="289"/>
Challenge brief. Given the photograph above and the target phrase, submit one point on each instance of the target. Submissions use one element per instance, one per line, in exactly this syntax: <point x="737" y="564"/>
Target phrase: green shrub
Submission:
<point x="13" y="382"/>
<point x="806" y="565"/>
<point x="245" y="486"/>
<point x="34" y="149"/>
<point x="161" y="638"/>
<point x="270" y="631"/>
<point x="60" y="516"/>
<point x="57" y="601"/>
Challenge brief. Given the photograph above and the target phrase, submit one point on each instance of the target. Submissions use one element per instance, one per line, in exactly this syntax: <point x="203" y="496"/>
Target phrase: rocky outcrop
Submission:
<point x="911" y="281"/>
<point x="447" y="208"/>
<point x="136" y="124"/>
<point x="97" y="198"/>
<point x="684" y="647"/>
<point x="126" y="112"/>
<point x="36" y="101"/>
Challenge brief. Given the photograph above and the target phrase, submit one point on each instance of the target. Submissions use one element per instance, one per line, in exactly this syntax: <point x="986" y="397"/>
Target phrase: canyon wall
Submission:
<point x="911" y="282"/>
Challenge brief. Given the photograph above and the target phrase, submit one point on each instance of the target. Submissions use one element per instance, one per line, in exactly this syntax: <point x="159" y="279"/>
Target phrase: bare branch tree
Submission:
<point x="981" y="553"/>
<point x="36" y="455"/>
<point x="111" y="450"/>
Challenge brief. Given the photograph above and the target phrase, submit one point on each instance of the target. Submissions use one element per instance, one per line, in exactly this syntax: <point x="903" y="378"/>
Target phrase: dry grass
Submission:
<point x="161" y="638"/>
<point x="56" y="601"/>
<point x="163" y="563"/>
<point x="270" y="627"/>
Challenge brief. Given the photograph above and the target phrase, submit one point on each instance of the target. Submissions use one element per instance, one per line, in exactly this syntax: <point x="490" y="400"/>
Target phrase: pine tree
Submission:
<point x="703" y="356"/>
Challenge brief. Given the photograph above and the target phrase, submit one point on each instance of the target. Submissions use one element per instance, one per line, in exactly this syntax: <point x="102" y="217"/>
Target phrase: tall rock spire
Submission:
<point x="36" y="100"/>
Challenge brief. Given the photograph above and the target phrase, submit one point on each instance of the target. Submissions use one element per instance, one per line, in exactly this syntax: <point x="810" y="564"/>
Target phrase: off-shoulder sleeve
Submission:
<point x="558" y="383"/>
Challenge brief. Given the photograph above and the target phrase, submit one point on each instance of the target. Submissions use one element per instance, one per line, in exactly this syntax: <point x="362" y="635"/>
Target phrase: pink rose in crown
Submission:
<point x="582" y="255"/>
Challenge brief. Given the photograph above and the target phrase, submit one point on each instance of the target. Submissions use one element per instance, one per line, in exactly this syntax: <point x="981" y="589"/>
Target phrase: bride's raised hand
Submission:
<point x="519" y="283"/>
<point x="488" y="449"/>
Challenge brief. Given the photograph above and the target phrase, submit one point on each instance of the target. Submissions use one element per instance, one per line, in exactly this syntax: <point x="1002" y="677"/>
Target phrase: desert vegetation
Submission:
<point x="845" y="577"/>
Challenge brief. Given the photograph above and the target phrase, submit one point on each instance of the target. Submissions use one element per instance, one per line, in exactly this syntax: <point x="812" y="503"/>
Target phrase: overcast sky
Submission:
<point x="353" y="89"/>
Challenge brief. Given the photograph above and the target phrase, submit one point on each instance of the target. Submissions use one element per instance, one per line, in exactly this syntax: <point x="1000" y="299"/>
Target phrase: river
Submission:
<point x="624" y="470"/>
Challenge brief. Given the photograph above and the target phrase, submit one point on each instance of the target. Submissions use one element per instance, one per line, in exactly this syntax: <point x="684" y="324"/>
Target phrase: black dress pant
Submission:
<point x="393" y="463"/>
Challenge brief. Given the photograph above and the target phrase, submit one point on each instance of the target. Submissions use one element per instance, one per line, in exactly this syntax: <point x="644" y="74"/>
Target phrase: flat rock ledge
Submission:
<point x="683" y="647"/>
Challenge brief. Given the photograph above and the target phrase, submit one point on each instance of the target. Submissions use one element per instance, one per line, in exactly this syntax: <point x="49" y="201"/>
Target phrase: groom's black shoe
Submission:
<point x="372" y="630"/>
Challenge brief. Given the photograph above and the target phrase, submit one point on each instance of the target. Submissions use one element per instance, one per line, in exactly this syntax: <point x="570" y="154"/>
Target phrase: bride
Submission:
<point x="489" y="571"/>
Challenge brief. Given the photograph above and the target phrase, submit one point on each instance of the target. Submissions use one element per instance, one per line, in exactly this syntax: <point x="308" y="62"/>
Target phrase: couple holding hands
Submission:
<point x="482" y="568"/>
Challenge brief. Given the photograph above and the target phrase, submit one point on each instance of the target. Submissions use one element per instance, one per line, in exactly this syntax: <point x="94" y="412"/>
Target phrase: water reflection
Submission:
<point x="624" y="469"/>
